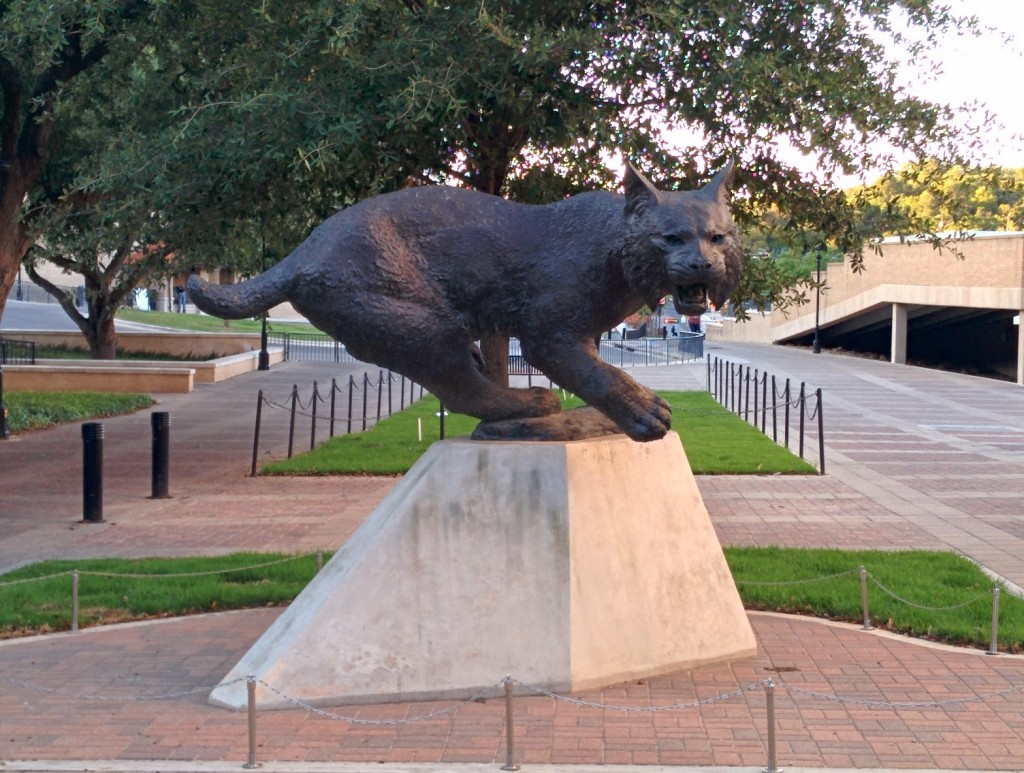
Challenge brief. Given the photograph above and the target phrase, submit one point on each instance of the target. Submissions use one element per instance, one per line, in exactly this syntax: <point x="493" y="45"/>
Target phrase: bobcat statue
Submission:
<point x="445" y="265"/>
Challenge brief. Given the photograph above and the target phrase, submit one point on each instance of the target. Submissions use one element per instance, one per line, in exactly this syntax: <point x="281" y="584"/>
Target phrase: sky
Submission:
<point x="987" y="69"/>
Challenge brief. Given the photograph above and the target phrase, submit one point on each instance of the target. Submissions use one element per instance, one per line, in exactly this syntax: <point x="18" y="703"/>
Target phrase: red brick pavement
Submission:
<point x="844" y="698"/>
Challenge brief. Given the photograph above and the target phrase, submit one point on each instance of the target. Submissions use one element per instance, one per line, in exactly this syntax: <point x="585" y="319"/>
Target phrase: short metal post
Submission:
<point x="746" y="397"/>
<point x="256" y="433"/>
<point x="312" y="412"/>
<point x="334" y="395"/>
<point x="351" y="389"/>
<point x="775" y="411"/>
<point x="92" y="473"/>
<point x="74" y="601"/>
<point x="821" y="435"/>
<point x="291" y="421"/>
<point x="441" y="415"/>
<point x="366" y="396"/>
<point x="5" y="426"/>
<point x="160" y="421"/>
<point x="786" y="412"/>
<point x="864" y="599"/>
<point x="510" y="751"/>
<point x="764" y="401"/>
<point x="250" y="685"/>
<point x="769" y="696"/>
<point x="803" y="414"/>
<point x="993" y="645"/>
<point x="319" y="559"/>
<point x="380" y="393"/>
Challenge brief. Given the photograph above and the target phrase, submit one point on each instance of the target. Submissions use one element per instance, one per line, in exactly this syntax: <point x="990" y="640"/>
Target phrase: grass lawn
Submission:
<point x="39" y="410"/>
<point x="715" y="440"/>
<point x="786" y="580"/>
<point x="207" y="324"/>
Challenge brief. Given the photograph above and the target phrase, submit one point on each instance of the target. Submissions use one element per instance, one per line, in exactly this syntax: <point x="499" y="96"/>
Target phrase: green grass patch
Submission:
<point x="716" y="441"/>
<point x="39" y="410"/>
<point x="206" y="324"/>
<point x="77" y="353"/>
<point x="956" y="595"/>
<point x="930" y="595"/>
<point x="112" y="590"/>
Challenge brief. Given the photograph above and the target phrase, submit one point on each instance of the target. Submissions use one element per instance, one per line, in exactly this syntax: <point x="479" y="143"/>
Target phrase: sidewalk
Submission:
<point x="915" y="459"/>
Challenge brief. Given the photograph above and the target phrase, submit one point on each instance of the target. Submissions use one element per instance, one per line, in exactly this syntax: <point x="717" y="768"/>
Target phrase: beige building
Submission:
<point x="960" y="305"/>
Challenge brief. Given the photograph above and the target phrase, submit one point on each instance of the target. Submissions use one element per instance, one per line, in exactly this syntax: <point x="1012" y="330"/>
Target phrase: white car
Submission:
<point x="710" y="319"/>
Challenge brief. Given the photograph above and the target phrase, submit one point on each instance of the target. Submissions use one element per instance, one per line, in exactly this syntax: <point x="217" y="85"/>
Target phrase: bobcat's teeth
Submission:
<point x="690" y="296"/>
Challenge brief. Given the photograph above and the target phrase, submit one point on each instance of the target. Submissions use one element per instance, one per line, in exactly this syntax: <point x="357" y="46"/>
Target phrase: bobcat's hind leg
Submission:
<point x="453" y="374"/>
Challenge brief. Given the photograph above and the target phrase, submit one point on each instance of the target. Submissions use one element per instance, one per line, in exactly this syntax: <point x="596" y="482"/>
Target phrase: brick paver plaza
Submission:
<point x="916" y="459"/>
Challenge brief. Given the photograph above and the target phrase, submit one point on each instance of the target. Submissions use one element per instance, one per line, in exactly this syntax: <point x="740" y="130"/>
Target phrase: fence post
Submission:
<point x="757" y="383"/>
<point x="864" y="599"/>
<point x="708" y="363"/>
<point x="334" y="395"/>
<point x="312" y="413"/>
<point x="821" y="435"/>
<point x="769" y="697"/>
<point x="993" y="646"/>
<point x="746" y="397"/>
<point x="366" y="396"/>
<point x="803" y="414"/>
<point x="74" y="601"/>
<point x="5" y="427"/>
<point x="401" y="395"/>
<point x="291" y="422"/>
<point x="510" y="753"/>
<point x="380" y="392"/>
<point x="775" y="411"/>
<point x="250" y="688"/>
<point x="441" y="415"/>
<point x="390" y="380"/>
<point x="351" y="389"/>
<point x="319" y="559"/>
<point x="92" y="473"/>
<point x="764" y="401"/>
<point x="786" y="412"/>
<point x="256" y="433"/>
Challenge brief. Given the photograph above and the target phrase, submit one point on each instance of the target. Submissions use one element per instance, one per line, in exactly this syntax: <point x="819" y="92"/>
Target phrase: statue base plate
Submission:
<point x="567" y="565"/>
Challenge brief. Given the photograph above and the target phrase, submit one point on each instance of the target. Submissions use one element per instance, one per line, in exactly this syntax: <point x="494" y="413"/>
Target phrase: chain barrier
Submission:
<point x="730" y="386"/>
<point x="900" y="704"/>
<point x="34" y="579"/>
<point x="408" y="720"/>
<point x="798" y="582"/>
<point x="653" y="709"/>
<point x="923" y="606"/>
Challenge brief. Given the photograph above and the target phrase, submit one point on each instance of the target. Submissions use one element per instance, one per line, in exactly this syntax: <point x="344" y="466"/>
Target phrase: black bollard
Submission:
<point x="92" y="473"/>
<point x="161" y="423"/>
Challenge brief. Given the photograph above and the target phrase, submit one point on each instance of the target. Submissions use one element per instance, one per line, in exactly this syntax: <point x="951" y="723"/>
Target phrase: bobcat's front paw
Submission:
<point x="645" y="417"/>
<point x="541" y="402"/>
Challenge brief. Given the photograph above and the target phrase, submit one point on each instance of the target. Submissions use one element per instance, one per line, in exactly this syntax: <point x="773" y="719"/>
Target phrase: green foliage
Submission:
<point x="39" y="410"/>
<point x="715" y="441"/>
<point x="950" y="598"/>
<point x="932" y="196"/>
<point x="114" y="590"/>
<point x="207" y="324"/>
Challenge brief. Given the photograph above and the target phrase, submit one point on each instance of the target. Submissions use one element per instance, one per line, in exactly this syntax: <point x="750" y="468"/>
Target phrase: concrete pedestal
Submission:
<point x="566" y="565"/>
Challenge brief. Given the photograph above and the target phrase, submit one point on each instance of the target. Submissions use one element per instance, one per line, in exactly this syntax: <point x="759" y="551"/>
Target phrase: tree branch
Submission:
<point x="10" y="85"/>
<point x="66" y="300"/>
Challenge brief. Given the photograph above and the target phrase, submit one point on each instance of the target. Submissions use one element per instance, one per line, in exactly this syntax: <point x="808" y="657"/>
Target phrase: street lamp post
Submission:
<point x="817" y="307"/>
<point x="264" y="358"/>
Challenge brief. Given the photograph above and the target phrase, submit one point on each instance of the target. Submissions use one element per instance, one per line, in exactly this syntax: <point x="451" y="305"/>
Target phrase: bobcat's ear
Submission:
<point x="720" y="186"/>
<point x="640" y="194"/>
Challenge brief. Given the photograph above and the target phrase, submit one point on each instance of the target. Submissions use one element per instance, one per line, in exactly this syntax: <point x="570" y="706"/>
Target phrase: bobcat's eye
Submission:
<point x="718" y="239"/>
<point x="673" y="238"/>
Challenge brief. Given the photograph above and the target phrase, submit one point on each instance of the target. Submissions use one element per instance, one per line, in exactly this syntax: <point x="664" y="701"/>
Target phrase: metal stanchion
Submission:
<point x="769" y="695"/>
<point x="993" y="646"/>
<point x="250" y="684"/>
<point x="161" y="424"/>
<point x="291" y="421"/>
<point x="92" y="473"/>
<point x="319" y="559"/>
<point x="510" y="751"/>
<point x="864" y="599"/>
<point x="74" y="601"/>
<point x="256" y="433"/>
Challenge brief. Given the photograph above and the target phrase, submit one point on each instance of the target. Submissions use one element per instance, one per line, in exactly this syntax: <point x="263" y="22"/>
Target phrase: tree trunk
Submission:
<point x="14" y="244"/>
<point x="494" y="349"/>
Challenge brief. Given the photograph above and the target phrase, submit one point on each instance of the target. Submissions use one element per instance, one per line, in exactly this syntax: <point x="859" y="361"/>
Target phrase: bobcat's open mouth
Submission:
<point x="691" y="299"/>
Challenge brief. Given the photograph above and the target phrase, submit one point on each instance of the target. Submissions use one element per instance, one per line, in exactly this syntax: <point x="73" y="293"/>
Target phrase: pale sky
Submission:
<point x="988" y="69"/>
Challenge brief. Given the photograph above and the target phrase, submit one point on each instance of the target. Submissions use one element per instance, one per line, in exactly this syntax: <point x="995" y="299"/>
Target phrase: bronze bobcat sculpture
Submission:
<point x="444" y="265"/>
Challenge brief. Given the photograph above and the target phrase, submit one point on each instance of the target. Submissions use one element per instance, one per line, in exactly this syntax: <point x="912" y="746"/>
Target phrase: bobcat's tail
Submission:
<point x="245" y="299"/>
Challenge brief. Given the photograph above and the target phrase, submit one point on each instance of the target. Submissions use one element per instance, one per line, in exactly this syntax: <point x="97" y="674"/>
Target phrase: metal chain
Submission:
<point x="33" y="579"/>
<point x="674" y="706"/>
<point x="357" y="721"/>
<point x="922" y="606"/>
<point x="900" y="704"/>
<point x="114" y="698"/>
<point x="799" y="582"/>
<point x="197" y="574"/>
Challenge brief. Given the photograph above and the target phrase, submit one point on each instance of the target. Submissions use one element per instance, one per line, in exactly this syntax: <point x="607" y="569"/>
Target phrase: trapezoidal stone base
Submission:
<point x="567" y="565"/>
